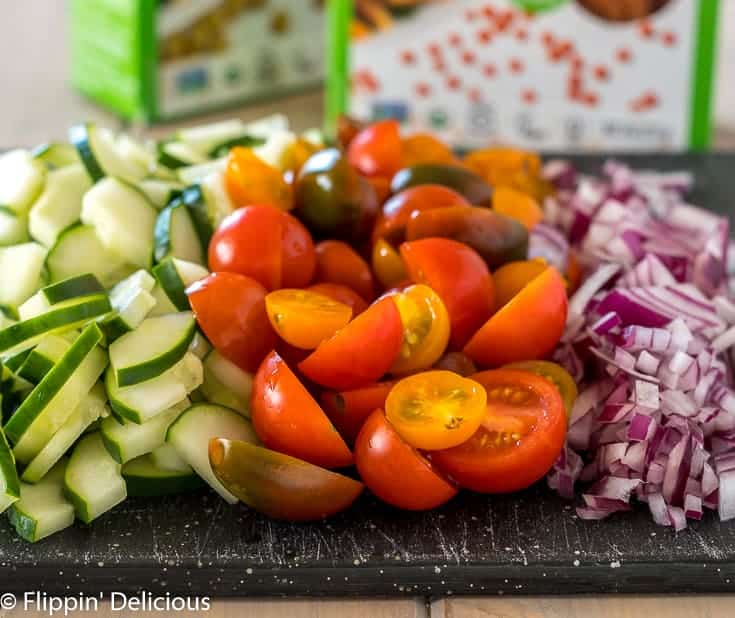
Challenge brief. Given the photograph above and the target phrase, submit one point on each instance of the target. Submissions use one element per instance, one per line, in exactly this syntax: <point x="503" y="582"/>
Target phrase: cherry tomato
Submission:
<point x="520" y="437"/>
<point x="348" y="410"/>
<point x="396" y="472"/>
<point x="347" y="128"/>
<point x="458" y="362"/>
<point x="361" y="352"/>
<point x="296" y="154"/>
<point x="397" y="211"/>
<point x="305" y="319"/>
<point x="459" y="276"/>
<point x="288" y="419"/>
<point x="280" y="486"/>
<point x="509" y="167"/>
<point x="337" y="262"/>
<point x="464" y="181"/>
<point x="381" y="185"/>
<point x="556" y="374"/>
<point x="517" y="205"/>
<point x="387" y="264"/>
<point x="250" y="180"/>
<point x="342" y="294"/>
<point x="230" y="309"/>
<point x="425" y="329"/>
<point x="436" y="409"/>
<point x="514" y="276"/>
<point x="528" y="327"/>
<point x="376" y="149"/>
<point x="422" y="148"/>
<point x="298" y="257"/>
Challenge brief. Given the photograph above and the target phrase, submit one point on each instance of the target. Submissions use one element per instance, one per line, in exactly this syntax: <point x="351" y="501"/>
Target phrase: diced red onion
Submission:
<point x="647" y="363"/>
<point x="606" y="323"/>
<point x="593" y="284"/>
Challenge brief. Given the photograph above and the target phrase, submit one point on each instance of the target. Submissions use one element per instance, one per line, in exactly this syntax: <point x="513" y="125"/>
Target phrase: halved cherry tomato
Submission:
<point x="517" y="205"/>
<point x="298" y="257"/>
<point x="348" y="410"/>
<point x="342" y="294"/>
<point x="376" y="149"/>
<point x="398" y="210"/>
<point x="396" y="472"/>
<point x="337" y="262"/>
<point x="288" y="419"/>
<point x="556" y="374"/>
<point x="514" y="276"/>
<point x="230" y="309"/>
<point x="361" y="352"/>
<point x="458" y="362"/>
<point x="436" y="410"/>
<point x="425" y="328"/>
<point x="422" y="148"/>
<point x="528" y="327"/>
<point x="520" y="437"/>
<point x="387" y="264"/>
<point x="280" y="486"/>
<point x="510" y="167"/>
<point x="459" y="276"/>
<point x="305" y="319"/>
<point x="250" y="180"/>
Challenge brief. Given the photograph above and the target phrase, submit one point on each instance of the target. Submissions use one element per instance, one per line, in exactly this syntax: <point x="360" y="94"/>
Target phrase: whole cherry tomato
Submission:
<point x="342" y="294"/>
<point x="459" y="276"/>
<point x="520" y="437"/>
<point x="298" y="257"/>
<point x="396" y="472"/>
<point x="381" y="185"/>
<point x="250" y="180"/>
<point x="517" y="205"/>
<point x="514" y="276"/>
<point x="376" y="149"/>
<point x="361" y="352"/>
<point x="288" y="419"/>
<point x="464" y="181"/>
<point x="510" y="167"/>
<point x="458" y="362"/>
<point x="230" y="309"/>
<point x="528" y="327"/>
<point x="387" y="264"/>
<point x="556" y="374"/>
<point x="337" y="262"/>
<point x="348" y="410"/>
<point x="422" y="148"/>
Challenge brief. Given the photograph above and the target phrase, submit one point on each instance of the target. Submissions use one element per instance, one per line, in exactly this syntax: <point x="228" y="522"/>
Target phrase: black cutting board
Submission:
<point x="528" y="543"/>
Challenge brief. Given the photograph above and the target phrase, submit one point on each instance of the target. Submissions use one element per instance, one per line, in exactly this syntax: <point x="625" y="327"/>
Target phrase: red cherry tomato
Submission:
<point x="342" y="294"/>
<point x="361" y="352"/>
<point x="376" y="149"/>
<point x="337" y="262"/>
<point x="230" y="309"/>
<point x="457" y="362"/>
<point x="396" y="472"/>
<point x="298" y="256"/>
<point x="459" y="276"/>
<point x="288" y="419"/>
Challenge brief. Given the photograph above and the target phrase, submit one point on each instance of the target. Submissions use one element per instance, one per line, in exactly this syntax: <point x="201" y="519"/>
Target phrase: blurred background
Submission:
<point x="40" y="103"/>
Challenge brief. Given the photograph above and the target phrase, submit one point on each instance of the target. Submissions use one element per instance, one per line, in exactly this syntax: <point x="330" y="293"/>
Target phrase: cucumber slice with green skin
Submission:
<point x="128" y="440"/>
<point x="14" y="362"/>
<point x="78" y="250"/>
<point x="174" y="155"/>
<point x="42" y="509"/>
<point x="195" y="201"/>
<point x="56" y="155"/>
<point x="176" y="235"/>
<point x="140" y="157"/>
<point x="195" y="173"/>
<point x="60" y="318"/>
<point x="43" y="357"/>
<point x="123" y="220"/>
<point x="192" y="431"/>
<point x="174" y="276"/>
<point x="93" y="482"/>
<point x="226" y="384"/>
<point x="200" y="347"/>
<point x="152" y="348"/>
<point x="101" y="156"/>
<point x="21" y="180"/>
<point x="160" y="192"/>
<point x="144" y="478"/>
<point x="166" y="458"/>
<point x="59" y="204"/>
<point x="244" y="141"/>
<point x="73" y="287"/>
<point x="218" y="201"/>
<point x="8" y="312"/>
<point x="34" y="306"/>
<point x="13" y="227"/>
<point x="144" y="401"/>
<point x="163" y="305"/>
<point x="53" y="400"/>
<point x="21" y="267"/>
<point x="86" y="413"/>
<point x="128" y="315"/>
<point x="9" y="482"/>
<point x="204" y="138"/>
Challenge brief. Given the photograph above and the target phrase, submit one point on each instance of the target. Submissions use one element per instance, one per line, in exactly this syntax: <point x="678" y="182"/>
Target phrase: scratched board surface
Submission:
<point x="527" y="543"/>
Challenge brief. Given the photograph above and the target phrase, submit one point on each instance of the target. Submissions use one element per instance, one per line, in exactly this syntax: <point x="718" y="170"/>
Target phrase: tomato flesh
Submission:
<point x="250" y="180"/>
<point x="517" y="205"/>
<point x="342" y="294"/>
<point x="514" y="276"/>
<point x="556" y="374"/>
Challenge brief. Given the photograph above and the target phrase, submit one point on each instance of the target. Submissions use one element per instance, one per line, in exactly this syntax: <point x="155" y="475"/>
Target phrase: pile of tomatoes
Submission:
<point x="380" y="293"/>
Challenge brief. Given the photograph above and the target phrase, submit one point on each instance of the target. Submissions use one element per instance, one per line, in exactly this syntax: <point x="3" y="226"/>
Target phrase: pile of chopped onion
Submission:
<point x="650" y="337"/>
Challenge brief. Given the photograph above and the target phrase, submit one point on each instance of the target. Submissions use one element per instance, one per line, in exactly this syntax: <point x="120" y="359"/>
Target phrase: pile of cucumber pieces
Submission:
<point x="107" y="387"/>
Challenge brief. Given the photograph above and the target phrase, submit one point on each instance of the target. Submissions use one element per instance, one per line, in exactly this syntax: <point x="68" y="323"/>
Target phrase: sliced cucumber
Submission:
<point x="139" y="280"/>
<point x="195" y="173"/>
<point x="192" y="431"/>
<point x="163" y="304"/>
<point x="73" y="287"/>
<point x="13" y="227"/>
<point x="244" y="141"/>
<point x="128" y="316"/>
<point x="142" y="402"/>
<point x="101" y="156"/>
<point x="159" y="192"/>
<point x="174" y="276"/>
<point x="275" y="147"/>
<point x="54" y="399"/>
<point x="218" y="201"/>
<point x="144" y="478"/>
<point x="21" y="267"/>
<point x="42" y="509"/>
<point x="175" y="235"/>
<point x="56" y="154"/>
<point x="60" y="203"/>
<point x="166" y="458"/>
<point x="93" y="481"/>
<point x="123" y="220"/>
<point x="137" y="155"/>
<point x="204" y="138"/>
<point x="9" y="482"/>
<point x="43" y="357"/>
<point x="226" y="384"/>
<point x="16" y="360"/>
<point x="200" y="347"/>
<point x="21" y="180"/>
<point x="174" y="155"/>
<point x="86" y="413"/>
<point x="78" y="250"/>
<point x="127" y="440"/>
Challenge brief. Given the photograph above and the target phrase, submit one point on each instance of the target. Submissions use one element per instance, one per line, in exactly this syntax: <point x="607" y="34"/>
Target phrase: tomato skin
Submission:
<point x="287" y="419"/>
<point x="459" y="276"/>
<point x="230" y="309"/>
<point x="514" y="276"/>
<point x="250" y="180"/>
<point x="298" y="256"/>
<point x="557" y="375"/>
<point x="528" y="327"/>
<point x="376" y="149"/>
<point x="361" y="352"/>
<point x="395" y="472"/>
<point x="456" y="362"/>
<point x="463" y="180"/>
<point x="342" y="294"/>
<point x="348" y="410"/>
<point x="422" y="148"/>
<point x="517" y="205"/>
<point x="481" y="465"/>
<point x="337" y="262"/>
<point x="387" y="264"/>
<point x="347" y="128"/>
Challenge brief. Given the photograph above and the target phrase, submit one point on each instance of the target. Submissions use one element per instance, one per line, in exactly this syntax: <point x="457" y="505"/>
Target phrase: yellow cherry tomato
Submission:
<point x="436" y="410"/>
<point x="512" y="277"/>
<point x="251" y="181"/>
<point x="556" y="374"/>
<point x="388" y="266"/>
<point x="517" y="205"/>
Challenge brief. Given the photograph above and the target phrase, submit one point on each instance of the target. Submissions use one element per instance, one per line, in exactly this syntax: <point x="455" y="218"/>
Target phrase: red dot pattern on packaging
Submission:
<point x="423" y="89"/>
<point x="408" y="57"/>
<point x="489" y="70"/>
<point x="624" y="55"/>
<point x="529" y="96"/>
<point x="455" y="39"/>
<point x="669" y="39"/>
<point x="515" y="65"/>
<point x="474" y="95"/>
<point x="484" y="36"/>
<point x="601" y="72"/>
<point x="454" y="82"/>
<point x="468" y="57"/>
<point x="645" y="29"/>
<point x="646" y="101"/>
